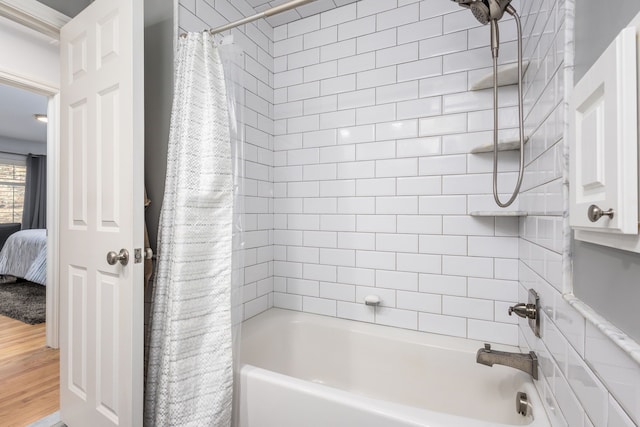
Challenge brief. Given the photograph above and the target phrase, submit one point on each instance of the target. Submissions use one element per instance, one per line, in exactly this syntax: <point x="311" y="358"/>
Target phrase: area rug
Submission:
<point x="23" y="301"/>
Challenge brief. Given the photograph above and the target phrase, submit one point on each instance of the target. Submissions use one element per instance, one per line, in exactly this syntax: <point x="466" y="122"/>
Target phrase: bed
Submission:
<point x="24" y="255"/>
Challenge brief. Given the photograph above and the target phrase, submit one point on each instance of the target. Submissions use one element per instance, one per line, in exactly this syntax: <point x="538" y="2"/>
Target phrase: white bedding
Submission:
<point x="24" y="255"/>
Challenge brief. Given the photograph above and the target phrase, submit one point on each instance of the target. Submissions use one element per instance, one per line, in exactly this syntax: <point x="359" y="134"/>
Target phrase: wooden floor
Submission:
<point x="29" y="374"/>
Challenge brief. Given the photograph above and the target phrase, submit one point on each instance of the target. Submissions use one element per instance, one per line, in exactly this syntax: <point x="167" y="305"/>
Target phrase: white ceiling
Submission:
<point x="298" y="13"/>
<point x="17" y="107"/>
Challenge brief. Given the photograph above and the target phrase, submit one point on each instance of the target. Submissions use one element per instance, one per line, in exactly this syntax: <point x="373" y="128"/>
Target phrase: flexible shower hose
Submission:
<point x="496" y="197"/>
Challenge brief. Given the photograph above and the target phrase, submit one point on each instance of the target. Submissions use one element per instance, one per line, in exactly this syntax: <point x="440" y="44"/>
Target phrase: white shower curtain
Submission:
<point x="190" y="372"/>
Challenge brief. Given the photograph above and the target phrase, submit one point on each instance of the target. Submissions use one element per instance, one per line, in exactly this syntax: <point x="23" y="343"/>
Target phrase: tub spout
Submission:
<point x="526" y="362"/>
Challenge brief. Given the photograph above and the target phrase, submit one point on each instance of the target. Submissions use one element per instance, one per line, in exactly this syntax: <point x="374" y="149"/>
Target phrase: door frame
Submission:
<point x="34" y="15"/>
<point x="45" y="20"/>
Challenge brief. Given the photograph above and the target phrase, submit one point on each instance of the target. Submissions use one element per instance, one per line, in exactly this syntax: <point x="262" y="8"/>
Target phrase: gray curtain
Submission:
<point x="34" y="213"/>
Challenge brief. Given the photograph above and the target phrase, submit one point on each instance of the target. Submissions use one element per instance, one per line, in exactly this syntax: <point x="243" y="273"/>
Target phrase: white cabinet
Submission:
<point x="604" y="148"/>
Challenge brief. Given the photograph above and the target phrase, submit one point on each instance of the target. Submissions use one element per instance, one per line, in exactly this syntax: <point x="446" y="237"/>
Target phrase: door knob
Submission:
<point x="123" y="257"/>
<point x="595" y="213"/>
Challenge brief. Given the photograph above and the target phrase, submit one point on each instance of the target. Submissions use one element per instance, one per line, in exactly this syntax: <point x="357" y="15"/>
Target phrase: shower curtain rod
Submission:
<point x="267" y="13"/>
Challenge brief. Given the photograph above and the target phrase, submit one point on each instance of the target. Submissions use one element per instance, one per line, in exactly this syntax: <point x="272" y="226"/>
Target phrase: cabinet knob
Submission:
<point x="595" y="213"/>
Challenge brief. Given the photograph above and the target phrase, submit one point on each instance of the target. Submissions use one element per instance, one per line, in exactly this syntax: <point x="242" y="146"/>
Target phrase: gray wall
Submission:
<point x="597" y="24"/>
<point x="607" y="279"/>
<point x="158" y="89"/>
<point x="18" y="146"/>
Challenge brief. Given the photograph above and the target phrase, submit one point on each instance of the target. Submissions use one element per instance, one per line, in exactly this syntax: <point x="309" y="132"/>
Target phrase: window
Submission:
<point x="13" y="172"/>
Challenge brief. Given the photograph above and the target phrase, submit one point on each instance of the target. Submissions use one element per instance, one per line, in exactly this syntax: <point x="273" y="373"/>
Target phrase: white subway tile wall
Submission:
<point x="586" y="379"/>
<point x="373" y="180"/>
<point x="359" y="181"/>
<point x="256" y="100"/>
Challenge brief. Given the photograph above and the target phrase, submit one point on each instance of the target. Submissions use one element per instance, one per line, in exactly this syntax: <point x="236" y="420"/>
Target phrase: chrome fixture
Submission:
<point x="485" y="11"/>
<point x="525" y="311"/>
<point x="526" y="362"/>
<point x="522" y="403"/>
<point x="530" y="310"/>
<point x="372" y="300"/>
<point x="123" y="257"/>
<point x="595" y="213"/>
<point x="490" y="12"/>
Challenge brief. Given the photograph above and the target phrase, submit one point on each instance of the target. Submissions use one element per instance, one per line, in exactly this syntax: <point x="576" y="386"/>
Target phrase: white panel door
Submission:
<point x="604" y="141"/>
<point x="101" y="210"/>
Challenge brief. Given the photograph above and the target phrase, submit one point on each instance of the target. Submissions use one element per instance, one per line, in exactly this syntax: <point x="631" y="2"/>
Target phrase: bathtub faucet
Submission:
<point x="525" y="362"/>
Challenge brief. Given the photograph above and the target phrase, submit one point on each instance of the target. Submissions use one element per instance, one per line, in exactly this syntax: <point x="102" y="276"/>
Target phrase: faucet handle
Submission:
<point x="487" y="347"/>
<point x="527" y="311"/>
<point x="516" y="308"/>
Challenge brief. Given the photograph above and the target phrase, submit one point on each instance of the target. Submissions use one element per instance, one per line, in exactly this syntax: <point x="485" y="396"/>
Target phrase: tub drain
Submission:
<point x="522" y="403"/>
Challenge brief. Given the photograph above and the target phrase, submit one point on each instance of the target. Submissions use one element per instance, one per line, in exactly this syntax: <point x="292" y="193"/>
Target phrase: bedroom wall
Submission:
<point x="256" y="98"/>
<point x="18" y="146"/>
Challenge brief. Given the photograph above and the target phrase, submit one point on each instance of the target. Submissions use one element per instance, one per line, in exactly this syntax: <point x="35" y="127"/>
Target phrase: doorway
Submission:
<point x="29" y="370"/>
<point x="29" y="367"/>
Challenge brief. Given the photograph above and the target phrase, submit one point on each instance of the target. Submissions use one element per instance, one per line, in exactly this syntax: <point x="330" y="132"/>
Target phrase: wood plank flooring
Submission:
<point x="29" y="374"/>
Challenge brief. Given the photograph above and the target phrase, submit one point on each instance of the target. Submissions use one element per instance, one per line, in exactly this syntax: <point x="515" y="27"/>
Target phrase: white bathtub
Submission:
<point x="303" y="370"/>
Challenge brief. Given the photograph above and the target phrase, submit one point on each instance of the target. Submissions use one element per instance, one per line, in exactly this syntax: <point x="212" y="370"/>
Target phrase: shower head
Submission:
<point x="464" y="3"/>
<point x="487" y="10"/>
<point x="481" y="11"/>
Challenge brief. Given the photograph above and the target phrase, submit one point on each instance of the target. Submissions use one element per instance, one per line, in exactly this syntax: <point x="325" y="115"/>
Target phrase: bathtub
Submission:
<point x="304" y="370"/>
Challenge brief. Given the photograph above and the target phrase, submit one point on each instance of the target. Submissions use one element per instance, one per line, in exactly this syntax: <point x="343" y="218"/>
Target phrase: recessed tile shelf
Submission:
<point x="498" y="213"/>
<point x="507" y="76"/>
<point x="504" y="145"/>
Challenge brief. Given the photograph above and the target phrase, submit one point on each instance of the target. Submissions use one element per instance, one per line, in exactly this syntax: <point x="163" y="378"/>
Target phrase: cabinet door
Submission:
<point x="604" y="140"/>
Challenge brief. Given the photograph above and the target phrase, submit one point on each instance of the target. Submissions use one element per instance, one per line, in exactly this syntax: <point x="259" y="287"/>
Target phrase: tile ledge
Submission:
<point x="507" y="144"/>
<point x="619" y="338"/>
<point x="507" y="76"/>
<point x="498" y="213"/>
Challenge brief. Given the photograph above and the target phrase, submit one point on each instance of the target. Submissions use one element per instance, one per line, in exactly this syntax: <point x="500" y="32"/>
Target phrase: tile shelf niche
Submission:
<point x="509" y="144"/>
<point x="498" y="213"/>
<point x="507" y="76"/>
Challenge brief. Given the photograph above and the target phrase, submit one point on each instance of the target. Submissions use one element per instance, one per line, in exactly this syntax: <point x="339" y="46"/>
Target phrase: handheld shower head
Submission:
<point x="490" y="12"/>
<point x="486" y="10"/>
<point x="481" y="11"/>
